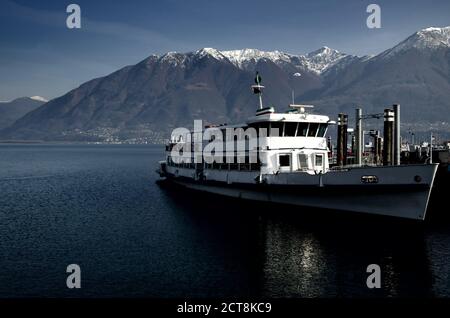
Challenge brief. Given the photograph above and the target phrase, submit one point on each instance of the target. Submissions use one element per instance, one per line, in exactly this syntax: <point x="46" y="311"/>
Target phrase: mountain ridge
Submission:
<point x="146" y="100"/>
<point x="317" y="61"/>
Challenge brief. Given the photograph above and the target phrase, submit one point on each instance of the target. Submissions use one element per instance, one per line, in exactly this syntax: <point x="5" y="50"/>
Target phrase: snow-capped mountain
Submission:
<point x="241" y="58"/>
<point x="207" y="51"/>
<point x="322" y="59"/>
<point x="430" y="38"/>
<point x="171" y="90"/>
<point x="318" y="61"/>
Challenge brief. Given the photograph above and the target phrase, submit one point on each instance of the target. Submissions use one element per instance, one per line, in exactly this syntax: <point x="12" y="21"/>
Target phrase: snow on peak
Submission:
<point x="433" y="37"/>
<point x="39" y="98"/>
<point x="429" y="38"/>
<point x="322" y="59"/>
<point x="323" y="51"/>
<point x="207" y="51"/>
<point x="242" y="57"/>
<point x="317" y="61"/>
<point x="173" y="58"/>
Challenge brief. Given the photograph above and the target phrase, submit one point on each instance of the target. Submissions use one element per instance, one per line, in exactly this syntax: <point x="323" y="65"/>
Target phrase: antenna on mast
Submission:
<point x="293" y="90"/>
<point x="257" y="89"/>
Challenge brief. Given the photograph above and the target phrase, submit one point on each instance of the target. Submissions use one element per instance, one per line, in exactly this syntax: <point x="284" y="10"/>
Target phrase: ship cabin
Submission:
<point x="295" y="141"/>
<point x="288" y="142"/>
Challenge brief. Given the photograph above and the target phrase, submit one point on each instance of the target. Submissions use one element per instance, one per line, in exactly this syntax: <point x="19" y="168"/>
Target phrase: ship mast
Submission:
<point x="257" y="89"/>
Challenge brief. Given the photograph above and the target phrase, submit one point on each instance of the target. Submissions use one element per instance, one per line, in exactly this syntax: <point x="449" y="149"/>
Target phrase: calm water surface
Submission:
<point x="99" y="206"/>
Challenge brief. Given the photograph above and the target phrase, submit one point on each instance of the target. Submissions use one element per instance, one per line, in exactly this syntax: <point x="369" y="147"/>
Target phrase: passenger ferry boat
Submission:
<point x="291" y="166"/>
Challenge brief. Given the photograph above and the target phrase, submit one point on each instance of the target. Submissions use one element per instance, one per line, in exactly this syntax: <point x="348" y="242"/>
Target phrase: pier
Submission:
<point x="388" y="148"/>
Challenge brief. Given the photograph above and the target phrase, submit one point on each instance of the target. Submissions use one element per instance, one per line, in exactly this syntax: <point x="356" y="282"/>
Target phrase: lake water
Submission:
<point x="98" y="206"/>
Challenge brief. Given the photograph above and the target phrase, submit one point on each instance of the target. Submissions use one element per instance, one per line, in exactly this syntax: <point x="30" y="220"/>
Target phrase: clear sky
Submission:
<point x="39" y="55"/>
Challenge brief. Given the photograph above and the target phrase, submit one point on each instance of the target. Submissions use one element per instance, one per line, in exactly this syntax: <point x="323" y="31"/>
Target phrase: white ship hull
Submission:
<point x="400" y="191"/>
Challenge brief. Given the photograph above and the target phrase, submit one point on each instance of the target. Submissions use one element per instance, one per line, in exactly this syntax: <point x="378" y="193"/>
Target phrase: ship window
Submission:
<point x="276" y="129"/>
<point x="263" y="129"/>
<point x="289" y="129"/>
<point x="303" y="161"/>
<point x="302" y="129"/>
<point x="322" y="130"/>
<point x="319" y="160"/>
<point x="312" y="129"/>
<point x="284" y="160"/>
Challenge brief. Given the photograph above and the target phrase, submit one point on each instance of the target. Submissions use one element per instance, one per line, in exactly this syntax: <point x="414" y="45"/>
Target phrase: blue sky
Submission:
<point x="39" y="55"/>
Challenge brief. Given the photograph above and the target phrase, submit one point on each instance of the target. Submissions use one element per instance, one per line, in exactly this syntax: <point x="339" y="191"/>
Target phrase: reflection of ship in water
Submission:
<point x="308" y="255"/>
<point x="438" y="252"/>
<point x="303" y="259"/>
<point x="327" y="259"/>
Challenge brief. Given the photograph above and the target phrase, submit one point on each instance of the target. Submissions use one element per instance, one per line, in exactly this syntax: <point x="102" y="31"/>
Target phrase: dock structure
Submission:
<point x="386" y="149"/>
<point x="342" y="139"/>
